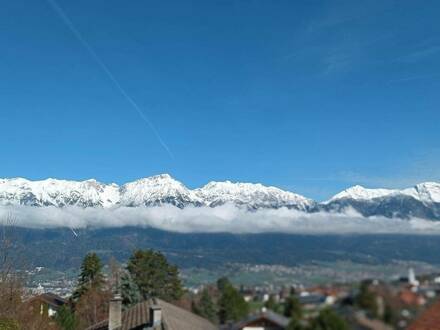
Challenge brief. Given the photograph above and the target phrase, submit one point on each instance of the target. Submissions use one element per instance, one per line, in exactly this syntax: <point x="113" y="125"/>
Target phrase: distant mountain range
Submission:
<point x="422" y="200"/>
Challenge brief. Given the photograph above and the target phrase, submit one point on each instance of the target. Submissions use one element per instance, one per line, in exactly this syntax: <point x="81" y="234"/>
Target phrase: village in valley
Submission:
<point x="147" y="293"/>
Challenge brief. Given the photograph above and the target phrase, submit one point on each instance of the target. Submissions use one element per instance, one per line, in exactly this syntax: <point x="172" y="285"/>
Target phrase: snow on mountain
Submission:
<point x="158" y="190"/>
<point x="427" y="192"/>
<point x="253" y="196"/>
<point x="359" y="193"/>
<point x="52" y="192"/>
<point x="152" y="191"/>
<point x="422" y="200"/>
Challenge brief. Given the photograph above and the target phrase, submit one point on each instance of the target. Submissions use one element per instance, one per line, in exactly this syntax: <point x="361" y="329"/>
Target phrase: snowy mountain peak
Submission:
<point x="158" y="180"/>
<point x="54" y="192"/>
<point x="158" y="190"/>
<point x="422" y="200"/>
<point x="426" y="192"/>
<point x="151" y="191"/>
<point x="253" y="195"/>
<point x="429" y="191"/>
<point x="358" y="192"/>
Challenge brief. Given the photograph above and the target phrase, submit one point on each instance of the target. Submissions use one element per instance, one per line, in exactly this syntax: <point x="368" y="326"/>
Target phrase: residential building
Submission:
<point x="152" y="314"/>
<point x="46" y="304"/>
<point x="264" y="320"/>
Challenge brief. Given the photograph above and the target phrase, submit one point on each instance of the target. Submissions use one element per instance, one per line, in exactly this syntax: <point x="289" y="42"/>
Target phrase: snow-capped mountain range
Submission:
<point x="423" y="200"/>
<point x="151" y="191"/>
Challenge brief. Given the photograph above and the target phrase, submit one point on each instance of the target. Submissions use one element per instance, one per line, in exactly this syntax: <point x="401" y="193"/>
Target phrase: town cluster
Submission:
<point x="147" y="293"/>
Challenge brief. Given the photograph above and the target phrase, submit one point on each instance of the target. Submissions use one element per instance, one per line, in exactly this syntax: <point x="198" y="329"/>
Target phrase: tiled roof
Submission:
<point x="428" y="320"/>
<point x="50" y="298"/>
<point x="173" y="318"/>
<point x="272" y="317"/>
<point x="176" y="318"/>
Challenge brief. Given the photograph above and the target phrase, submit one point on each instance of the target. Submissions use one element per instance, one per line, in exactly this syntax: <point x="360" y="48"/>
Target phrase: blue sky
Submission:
<point x="311" y="96"/>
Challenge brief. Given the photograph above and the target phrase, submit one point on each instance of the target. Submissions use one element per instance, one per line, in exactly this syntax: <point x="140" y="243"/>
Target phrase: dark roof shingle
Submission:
<point x="272" y="317"/>
<point x="173" y="318"/>
<point x="51" y="299"/>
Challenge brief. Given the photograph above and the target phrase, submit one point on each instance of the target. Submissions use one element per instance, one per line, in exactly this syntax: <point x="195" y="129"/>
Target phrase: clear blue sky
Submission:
<point x="311" y="96"/>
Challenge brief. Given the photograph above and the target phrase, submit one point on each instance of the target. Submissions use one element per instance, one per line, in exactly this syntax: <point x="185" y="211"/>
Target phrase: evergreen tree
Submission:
<point x="206" y="307"/>
<point x="154" y="276"/>
<point x="367" y="299"/>
<point x="293" y="308"/>
<point x="194" y="307"/>
<point x="294" y="324"/>
<point x="232" y="306"/>
<point x="66" y="319"/>
<point x="389" y="316"/>
<point x="271" y="304"/>
<point x="328" y="320"/>
<point x="91" y="275"/>
<point x="130" y="292"/>
<point x="222" y="282"/>
<point x="274" y="306"/>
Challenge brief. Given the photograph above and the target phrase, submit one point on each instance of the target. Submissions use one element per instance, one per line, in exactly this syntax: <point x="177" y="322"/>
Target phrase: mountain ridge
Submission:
<point x="422" y="200"/>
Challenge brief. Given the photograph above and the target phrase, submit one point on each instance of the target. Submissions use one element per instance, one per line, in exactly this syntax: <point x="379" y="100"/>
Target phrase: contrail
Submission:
<point x="107" y="71"/>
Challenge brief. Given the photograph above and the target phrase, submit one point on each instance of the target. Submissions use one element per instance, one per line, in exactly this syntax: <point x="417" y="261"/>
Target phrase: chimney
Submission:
<point x="156" y="316"/>
<point x="115" y="312"/>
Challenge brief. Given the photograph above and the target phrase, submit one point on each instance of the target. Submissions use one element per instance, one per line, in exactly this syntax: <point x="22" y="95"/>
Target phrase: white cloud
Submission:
<point x="227" y="218"/>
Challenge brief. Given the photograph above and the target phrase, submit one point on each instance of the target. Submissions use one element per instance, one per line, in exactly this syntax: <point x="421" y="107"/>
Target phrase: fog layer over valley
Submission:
<point x="225" y="218"/>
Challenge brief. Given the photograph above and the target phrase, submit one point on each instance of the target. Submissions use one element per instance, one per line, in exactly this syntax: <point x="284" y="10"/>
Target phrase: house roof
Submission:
<point x="51" y="299"/>
<point x="268" y="315"/>
<point x="313" y="299"/>
<point x="429" y="319"/>
<point x="173" y="318"/>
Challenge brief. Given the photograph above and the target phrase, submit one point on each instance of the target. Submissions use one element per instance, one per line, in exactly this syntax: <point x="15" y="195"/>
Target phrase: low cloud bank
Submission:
<point x="226" y="218"/>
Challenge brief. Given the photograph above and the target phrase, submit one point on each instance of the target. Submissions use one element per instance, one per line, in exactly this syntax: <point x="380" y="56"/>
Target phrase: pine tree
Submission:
<point x="293" y="308"/>
<point x="222" y="283"/>
<point x="66" y="319"/>
<point x="130" y="292"/>
<point x="206" y="307"/>
<point x="154" y="276"/>
<point x="389" y="315"/>
<point x="367" y="299"/>
<point x="294" y="324"/>
<point x="328" y="320"/>
<point x="91" y="275"/>
<point x="232" y="306"/>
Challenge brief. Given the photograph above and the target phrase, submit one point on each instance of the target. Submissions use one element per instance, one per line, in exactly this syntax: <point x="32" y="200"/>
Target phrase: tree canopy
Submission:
<point x="130" y="292"/>
<point x="90" y="277"/>
<point x="293" y="308"/>
<point x="154" y="276"/>
<point x="294" y="324"/>
<point x="328" y="320"/>
<point x="206" y="307"/>
<point x="66" y="318"/>
<point x="232" y="306"/>
<point x="367" y="299"/>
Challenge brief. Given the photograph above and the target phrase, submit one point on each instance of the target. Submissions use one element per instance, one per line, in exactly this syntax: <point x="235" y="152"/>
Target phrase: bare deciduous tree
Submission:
<point x="13" y="308"/>
<point x="11" y="285"/>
